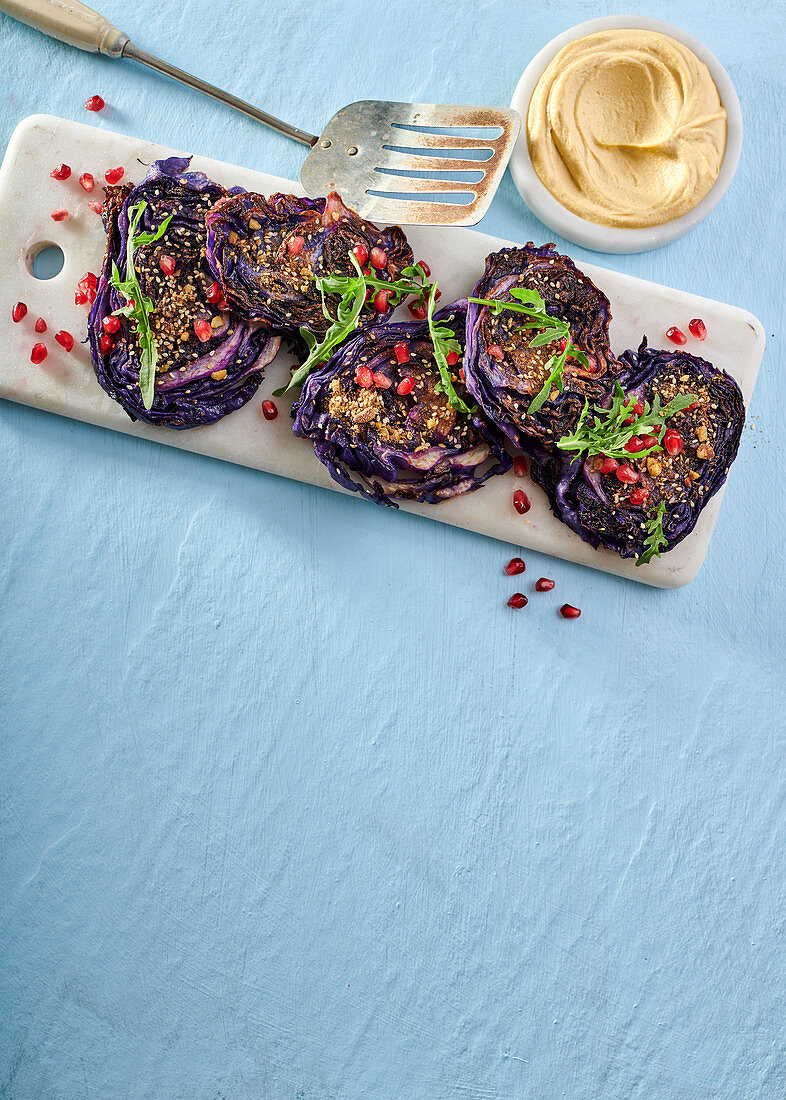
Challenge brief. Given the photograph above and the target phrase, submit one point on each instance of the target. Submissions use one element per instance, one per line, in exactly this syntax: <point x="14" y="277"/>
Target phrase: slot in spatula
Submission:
<point x="386" y="160"/>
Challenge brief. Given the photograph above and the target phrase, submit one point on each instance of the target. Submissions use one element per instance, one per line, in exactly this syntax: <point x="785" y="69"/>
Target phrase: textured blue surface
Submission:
<point x="293" y="806"/>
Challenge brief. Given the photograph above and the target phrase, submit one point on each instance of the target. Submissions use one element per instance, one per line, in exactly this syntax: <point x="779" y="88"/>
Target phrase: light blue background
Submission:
<point x="293" y="806"/>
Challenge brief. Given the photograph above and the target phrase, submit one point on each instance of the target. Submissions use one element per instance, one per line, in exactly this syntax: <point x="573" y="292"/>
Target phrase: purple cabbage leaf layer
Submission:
<point x="670" y="490"/>
<point x="390" y="446"/>
<point x="505" y="374"/>
<point x="196" y="381"/>
<point x="268" y="252"/>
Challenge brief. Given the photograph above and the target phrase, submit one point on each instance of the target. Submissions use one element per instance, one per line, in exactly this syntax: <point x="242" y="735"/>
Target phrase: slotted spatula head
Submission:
<point x="414" y="163"/>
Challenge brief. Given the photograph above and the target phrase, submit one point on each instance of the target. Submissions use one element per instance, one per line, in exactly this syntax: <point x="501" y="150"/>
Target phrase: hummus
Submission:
<point x="626" y="128"/>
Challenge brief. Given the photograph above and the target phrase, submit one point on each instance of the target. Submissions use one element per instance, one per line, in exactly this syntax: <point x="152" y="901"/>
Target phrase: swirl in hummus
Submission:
<point x="626" y="128"/>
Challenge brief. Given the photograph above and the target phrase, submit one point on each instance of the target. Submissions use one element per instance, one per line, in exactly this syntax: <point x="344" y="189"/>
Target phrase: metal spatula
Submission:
<point x="382" y="158"/>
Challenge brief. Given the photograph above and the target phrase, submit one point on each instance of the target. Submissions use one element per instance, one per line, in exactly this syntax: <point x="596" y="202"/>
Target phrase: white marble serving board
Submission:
<point x="65" y="383"/>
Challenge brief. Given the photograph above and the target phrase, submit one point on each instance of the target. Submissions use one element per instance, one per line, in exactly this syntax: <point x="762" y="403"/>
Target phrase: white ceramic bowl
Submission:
<point x="604" y="238"/>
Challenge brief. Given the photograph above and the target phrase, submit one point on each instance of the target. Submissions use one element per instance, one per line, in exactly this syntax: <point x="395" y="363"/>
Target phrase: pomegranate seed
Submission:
<point x="405" y="386"/>
<point x="203" y="330"/>
<point x="694" y="405"/>
<point x="638" y="496"/>
<point x="213" y="293"/>
<point x="418" y="312"/>
<point x="269" y="410"/>
<point x="608" y="465"/>
<point x="91" y="297"/>
<point x="649" y="440"/>
<point x="40" y="325"/>
<point x="543" y="584"/>
<point x="114" y="175"/>
<point x="521" y="502"/>
<point x="452" y="358"/>
<point x="89" y="281"/>
<point x="676" y="335"/>
<point x="167" y="264"/>
<point x="496" y="352"/>
<point x="65" y="339"/>
<point x="360" y="252"/>
<point x="518" y="600"/>
<point x="563" y="343"/>
<point x="461" y="374"/>
<point x="223" y="305"/>
<point x="592" y="364"/>
<point x="59" y="215"/>
<point x="38" y="353"/>
<point x="62" y="172"/>
<point x="520" y="466"/>
<point x="369" y="294"/>
<point x="18" y="312"/>
<point x="697" y="328"/>
<point x="401" y="351"/>
<point x="673" y="441"/>
<point x="79" y="297"/>
<point x="95" y="103"/>
<point x="86" y="182"/>
<point x="364" y="377"/>
<point x="95" y="207"/>
<point x="515" y="566"/>
<point x="105" y="343"/>
<point x="381" y="380"/>
<point x="381" y="300"/>
<point x="634" y="444"/>
<point x="379" y="258"/>
<point x="437" y="294"/>
<point x="424" y="268"/>
<point x="627" y="475"/>
<point x="568" y="611"/>
<point x="295" y="245"/>
<point x="638" y="409"/>
<point x="111" y="324"/>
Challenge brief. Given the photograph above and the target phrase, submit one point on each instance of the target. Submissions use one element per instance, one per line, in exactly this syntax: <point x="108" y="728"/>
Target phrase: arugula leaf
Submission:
<point x="352" y="290"/>
<point x="352" y="293"/>
<point x="139" y="306"/>
<point x="444" y="340"/>
<point x="353" y="298"/>
<point x="411" y="281"/>
<point x="553" y="381"/>
<point x="655" y="539"/>
<point x="608" y="432"/>
<point x="549" y="330"/>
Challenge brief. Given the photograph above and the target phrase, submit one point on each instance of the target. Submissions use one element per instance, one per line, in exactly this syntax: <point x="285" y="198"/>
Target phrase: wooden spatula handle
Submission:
<point x="78" y="25"/>
<point x="71" y="22"/>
